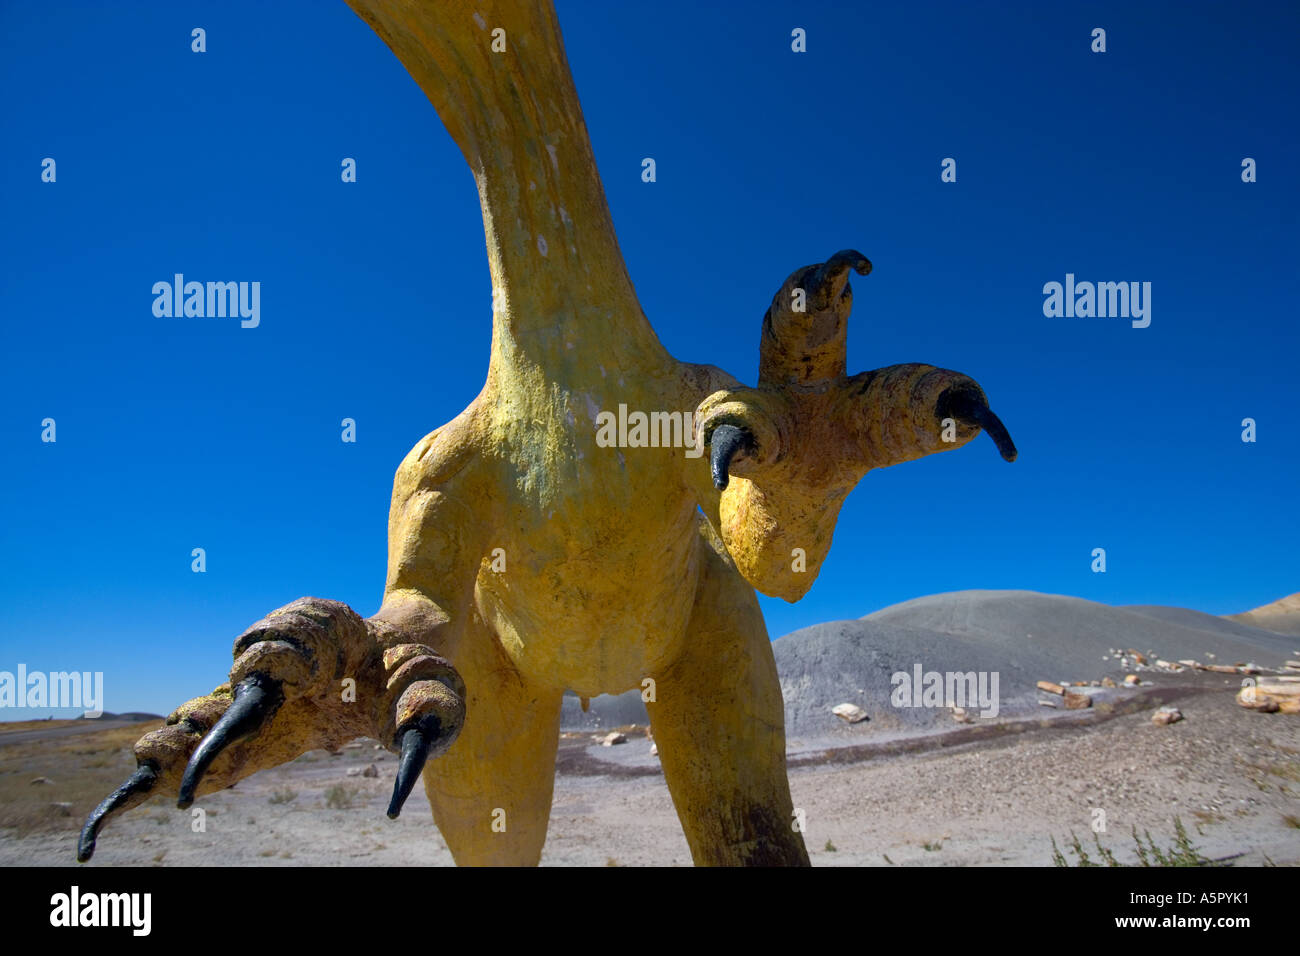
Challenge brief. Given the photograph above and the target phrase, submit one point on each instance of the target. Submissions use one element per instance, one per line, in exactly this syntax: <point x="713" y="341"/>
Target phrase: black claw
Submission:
<point x="970" y="408"/>
<point x="256" y="698"/>
<point x="417" y="741"/>
<point x="838" y="263"/>
<point x="727" y="441"/>
<point x="145" y="776"/>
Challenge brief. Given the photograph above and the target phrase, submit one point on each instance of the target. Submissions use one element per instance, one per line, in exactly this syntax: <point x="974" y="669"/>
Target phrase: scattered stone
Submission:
<point x="961" y="715"/>
<point x="371" y="771"/>
<point x="1138" y="657"/>
<point x="1046" y="703"/>
<point x="41" y="780"/>
<point x="1132" y="680"/>
<point x="1049" y="687"/>
<point x="1224" y="669"/>
<point x="1169" y="666"/>
<point x="354" y="771"/>
<point x="850" y="712"/>
<point x="1271" y="696"/>
<point x="1166" y="715"/>
<point x="612" y="738"/>
<point x="1077" y="701"/>
<point x="1108" y="682"/>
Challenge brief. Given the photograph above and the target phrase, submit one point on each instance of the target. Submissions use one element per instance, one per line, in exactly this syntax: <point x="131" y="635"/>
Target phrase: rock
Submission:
<point x="41" y="780"/>
<point x="1047" y="703"/>
<point x="1139" y="657"/>
<point x="612" y="738"/>
<point x="1271" y="696"/>
<point x="1049" y="687"/>
<point x="1169" y="666"/>
<point x="962" y="716"/>
<point x="371" y="771"/>
<point x="354" y="771"/>
<point x="1292" y="665"/>
<point x="850" y="712"/>
<point x="1075" y="701"/>
<point x="1108" y="682"/>
<point x="1132" y="680"/>
<point x="654" y="749"/>
<point x="1166" y="715"/>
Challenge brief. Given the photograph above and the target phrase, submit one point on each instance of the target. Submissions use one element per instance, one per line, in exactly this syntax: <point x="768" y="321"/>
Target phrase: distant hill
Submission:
<point x="1282" y="616"/>
<point x="1023" y="635"/>
<point x="133" y="715"/>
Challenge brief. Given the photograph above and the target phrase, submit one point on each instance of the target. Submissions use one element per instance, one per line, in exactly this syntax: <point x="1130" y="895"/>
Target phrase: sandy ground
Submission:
<point x="1233" y="777"/>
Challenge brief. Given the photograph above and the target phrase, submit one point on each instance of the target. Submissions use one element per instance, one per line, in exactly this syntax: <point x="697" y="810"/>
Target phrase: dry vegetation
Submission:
<point x="81" y="768"/>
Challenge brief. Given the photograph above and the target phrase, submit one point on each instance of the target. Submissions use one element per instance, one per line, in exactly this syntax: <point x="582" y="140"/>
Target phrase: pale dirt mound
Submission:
<point x="1282" y="616"/>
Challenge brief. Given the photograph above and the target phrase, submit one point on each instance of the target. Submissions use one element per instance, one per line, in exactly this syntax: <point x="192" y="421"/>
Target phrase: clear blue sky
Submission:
<point x="176" y="434"/>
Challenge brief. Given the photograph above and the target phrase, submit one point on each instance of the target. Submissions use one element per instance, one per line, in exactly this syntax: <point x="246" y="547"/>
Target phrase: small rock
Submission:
<point x="612" y="738"/>
<point x="354" y="771"/>
<point x="654" y="749"/>
<point x="961" y="715"/>
<point x="41" y="780"/>
<point x="1047" y="685"/>
<point x="1108" y="682"/>
<point x="1077" y="701"/>
<point x="1047" y="703"/>
<point x="850" y="712"/>
<point x="1166" y="715"/>
<point x="1139" y="657"/>
<point x="1132" y="680"/>
<point x="371" y="771"/>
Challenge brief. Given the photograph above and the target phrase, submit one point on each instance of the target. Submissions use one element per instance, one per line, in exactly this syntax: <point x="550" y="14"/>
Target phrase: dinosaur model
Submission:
<point x="626" y="567"/>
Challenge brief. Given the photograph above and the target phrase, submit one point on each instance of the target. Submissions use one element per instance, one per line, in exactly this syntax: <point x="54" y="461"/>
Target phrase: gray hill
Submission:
<point x="1022" y="636"/>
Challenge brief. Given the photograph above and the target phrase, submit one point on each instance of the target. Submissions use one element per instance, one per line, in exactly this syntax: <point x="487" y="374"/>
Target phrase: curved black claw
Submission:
<point x="727" y="441"/>
<point x="256" y="698"/>
<point x="417" y="741"/>
<point x="970" y="408"/>
<point x="837" y="264"/>
<point x="142" y="781"/>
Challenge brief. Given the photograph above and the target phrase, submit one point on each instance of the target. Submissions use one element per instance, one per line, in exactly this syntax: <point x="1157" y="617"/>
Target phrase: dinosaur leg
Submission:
<point x="719" y="724"/>
<point x="491" y="791"/>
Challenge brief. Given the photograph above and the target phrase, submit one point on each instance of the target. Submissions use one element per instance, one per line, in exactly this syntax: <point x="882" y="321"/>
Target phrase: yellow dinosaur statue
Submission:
<point x="621" y="564"/>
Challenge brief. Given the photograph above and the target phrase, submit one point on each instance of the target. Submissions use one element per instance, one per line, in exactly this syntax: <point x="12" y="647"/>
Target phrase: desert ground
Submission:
<point x="900" y="788"/>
